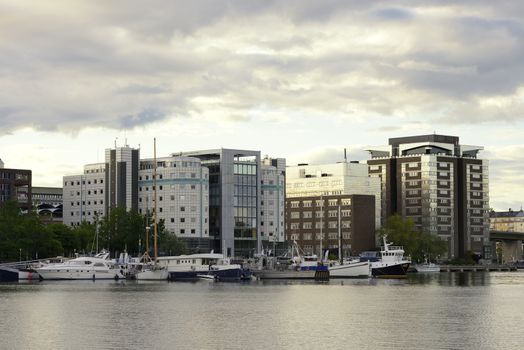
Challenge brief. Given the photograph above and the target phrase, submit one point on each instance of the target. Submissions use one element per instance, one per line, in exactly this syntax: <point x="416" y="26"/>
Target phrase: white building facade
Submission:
<point x="272" y="208"/>
<point x="182" y="197"/>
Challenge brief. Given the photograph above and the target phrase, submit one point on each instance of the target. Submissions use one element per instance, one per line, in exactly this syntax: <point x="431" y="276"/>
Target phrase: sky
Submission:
<point x="297" y="79"/>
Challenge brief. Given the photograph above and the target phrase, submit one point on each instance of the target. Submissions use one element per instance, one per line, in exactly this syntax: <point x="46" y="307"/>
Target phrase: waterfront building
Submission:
<point x="272" y="205"/>
<point x="235" y="200"/>
<point x="342" y="178"/>
<point x="182" y="198"/>
<point x="313" y="222"/>
<point x="438" y="183"/>
<point x="122" y="164"/>
<point x="16" y="184"/>
<point x="84" y="196"/>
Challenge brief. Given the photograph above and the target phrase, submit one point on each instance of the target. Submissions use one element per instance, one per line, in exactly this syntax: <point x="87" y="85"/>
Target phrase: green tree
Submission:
<point x="417" y="244"/>
<point x="169" y="243"/>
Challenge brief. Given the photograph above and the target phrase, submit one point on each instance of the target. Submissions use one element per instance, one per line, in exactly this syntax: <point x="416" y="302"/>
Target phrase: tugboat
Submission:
<point x="389" y="262"/>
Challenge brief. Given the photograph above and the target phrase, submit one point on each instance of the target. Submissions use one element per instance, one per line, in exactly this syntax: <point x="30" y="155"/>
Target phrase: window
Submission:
<point x="182" y="219"/>
<point x="182" y="208"/>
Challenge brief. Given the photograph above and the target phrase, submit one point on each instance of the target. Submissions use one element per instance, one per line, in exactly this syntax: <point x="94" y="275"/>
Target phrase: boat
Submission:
<point x="347" y="268"/>
<point x="427" y="267"/>
<point x="389" y="262"/>
<point x="299" y="266"/>
<point x="193" y="266"/>
<point x="350" y="269"/>
<point x="519" y="264"/>
<point x="82" y="268"/>
<point x="150" y="270"/>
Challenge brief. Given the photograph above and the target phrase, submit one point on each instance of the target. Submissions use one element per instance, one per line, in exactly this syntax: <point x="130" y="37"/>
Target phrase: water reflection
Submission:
<point x="474" y="310"/>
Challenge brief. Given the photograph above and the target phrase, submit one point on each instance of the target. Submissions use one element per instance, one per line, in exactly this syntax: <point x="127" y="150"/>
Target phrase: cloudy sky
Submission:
<point x="298" y="79"/>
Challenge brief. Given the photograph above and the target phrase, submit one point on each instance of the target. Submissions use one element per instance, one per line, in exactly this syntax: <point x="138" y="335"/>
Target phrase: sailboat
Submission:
<point x="151" y="270"/>
<point x="348" y="268"/>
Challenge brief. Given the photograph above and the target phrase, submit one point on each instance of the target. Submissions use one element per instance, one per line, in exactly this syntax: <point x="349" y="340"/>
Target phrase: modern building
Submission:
<point x="273" y="205"/>
<point x="182" y="198"/>
<point x="16" y="184"/>
<point x="122" y="177"/>
<point x="335" y="179"/>
<point x="438" y="183"/>
<point x="84" y="196"/>
<point x="235" y="200"/>
<point x="319" y="223"/>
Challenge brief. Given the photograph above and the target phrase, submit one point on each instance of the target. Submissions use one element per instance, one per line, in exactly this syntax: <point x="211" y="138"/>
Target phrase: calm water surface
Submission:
<point x="440" y="311"/>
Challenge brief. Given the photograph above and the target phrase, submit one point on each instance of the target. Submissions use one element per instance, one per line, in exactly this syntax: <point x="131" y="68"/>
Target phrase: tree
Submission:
<point x="416" y="243"/>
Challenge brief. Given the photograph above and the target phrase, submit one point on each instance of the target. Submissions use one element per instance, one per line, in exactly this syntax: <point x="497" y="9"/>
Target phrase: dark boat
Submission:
<point x="388" y="263"/>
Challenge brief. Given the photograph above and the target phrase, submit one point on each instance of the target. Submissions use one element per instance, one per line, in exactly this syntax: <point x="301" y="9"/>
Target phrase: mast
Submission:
<point x="321" y="216"/>
<point x="339" y="236"/>
<point x="154" y="194"/>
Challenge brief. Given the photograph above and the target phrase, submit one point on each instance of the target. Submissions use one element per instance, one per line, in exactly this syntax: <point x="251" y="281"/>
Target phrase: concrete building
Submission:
<point x="438" y="183"/>
<point x="122" y="177"/>
<point x="273" y="205"/>
<point x="182" y="198"/>
<point x="84" y="196"/>
<point x="16" y="184"/>
<point x="314" y="221"/>
<point x="342" y="178"/>
<point x="235" y="200"/>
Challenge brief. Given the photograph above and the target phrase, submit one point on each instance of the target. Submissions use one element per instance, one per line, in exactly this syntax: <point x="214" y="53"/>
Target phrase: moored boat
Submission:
<point x="389" y="262"/>
<point x="82" y="268"/>
<point x="352" y="269"/>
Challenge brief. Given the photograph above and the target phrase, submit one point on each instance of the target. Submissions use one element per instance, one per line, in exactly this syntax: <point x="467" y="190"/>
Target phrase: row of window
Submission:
<point x="318" y="225"/>
<point x="101" y="191"/>
<point x="101" y="202"/>
<point x="320" y="203"/>
<point x="72" y="183"/>
<point x="181" y="175"/>
<point x="160" y="188"/>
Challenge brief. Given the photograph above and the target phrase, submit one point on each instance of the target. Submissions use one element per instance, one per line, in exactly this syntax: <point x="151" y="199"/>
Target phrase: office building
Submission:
<point x="273" y="205"/>
<point x="182" y="194"/>
<point x="235" y="200"/>
<point x="335" y="179"/>
<point x="438" y="183"/>
<point x="319" y="223"/>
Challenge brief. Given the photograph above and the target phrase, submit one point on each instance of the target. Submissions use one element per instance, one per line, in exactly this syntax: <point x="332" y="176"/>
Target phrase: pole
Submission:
<point x="321" y="224"/>
<point x="154" y="193"/>
<point x="339" y="237"/>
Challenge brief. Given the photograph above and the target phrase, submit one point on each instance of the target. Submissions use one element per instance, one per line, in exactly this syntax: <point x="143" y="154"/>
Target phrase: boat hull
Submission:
<point x="152" y="275"/>
<point x="285" y="274"/>
<point x="427" y="268"/>
<point x="354" y="270"/>
<point x="92" y="275"/>
<point x="223" y="274"/>
<point x="8" y="274"/>
<point x="389" y="270"/>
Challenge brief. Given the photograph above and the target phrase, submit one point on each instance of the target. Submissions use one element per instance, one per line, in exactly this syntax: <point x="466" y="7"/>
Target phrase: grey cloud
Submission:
<point x="145" y="116"/>
<point x="103" y="63"/>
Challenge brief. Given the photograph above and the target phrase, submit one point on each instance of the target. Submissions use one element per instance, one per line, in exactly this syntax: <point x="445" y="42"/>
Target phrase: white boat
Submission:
<point x="82" y="268"/>
<point x="389" y="262"/>
<point x="427" y="267"/>
<point x="350" y="269"/>
<point x="152" y="272"/>
<point x="189" y="267"/>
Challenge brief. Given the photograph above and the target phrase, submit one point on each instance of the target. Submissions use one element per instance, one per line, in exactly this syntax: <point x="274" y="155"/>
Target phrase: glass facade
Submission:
<point x="245" y="206"/>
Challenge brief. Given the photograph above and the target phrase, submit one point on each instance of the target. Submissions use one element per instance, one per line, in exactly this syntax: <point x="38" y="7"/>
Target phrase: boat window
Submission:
<point x="99" y="264"/>
<point x="193" y="261"/>
<point x="87" y="262"/>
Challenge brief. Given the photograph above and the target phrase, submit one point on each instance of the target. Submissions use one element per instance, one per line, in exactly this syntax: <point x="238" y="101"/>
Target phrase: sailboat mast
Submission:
<point x="339" y="236"/>
<point x="154" y="194"/>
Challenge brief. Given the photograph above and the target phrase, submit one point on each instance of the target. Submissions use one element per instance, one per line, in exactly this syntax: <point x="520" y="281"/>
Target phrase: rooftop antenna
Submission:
<point x="116" y="138"/>
<point x="125" y="138"/>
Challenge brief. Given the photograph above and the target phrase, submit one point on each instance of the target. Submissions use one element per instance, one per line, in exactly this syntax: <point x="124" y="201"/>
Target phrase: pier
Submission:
<point x="476" y="268"/>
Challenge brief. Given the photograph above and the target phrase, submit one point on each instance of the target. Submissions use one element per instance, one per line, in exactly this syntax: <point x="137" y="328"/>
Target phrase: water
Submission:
<point x="439" y="311"/>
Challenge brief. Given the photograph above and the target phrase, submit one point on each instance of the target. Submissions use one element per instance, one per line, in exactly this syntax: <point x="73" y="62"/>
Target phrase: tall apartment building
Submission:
<point x="182" y="198"/>
<point x="315" y="223"/>
<point x="342" y="178"/>
<point x="438" y="183"/>
<point x="122" y="177"/>
<point x="16" y="184"/>
<point x="235" y="200"/>
<point x="272" y="205"/>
